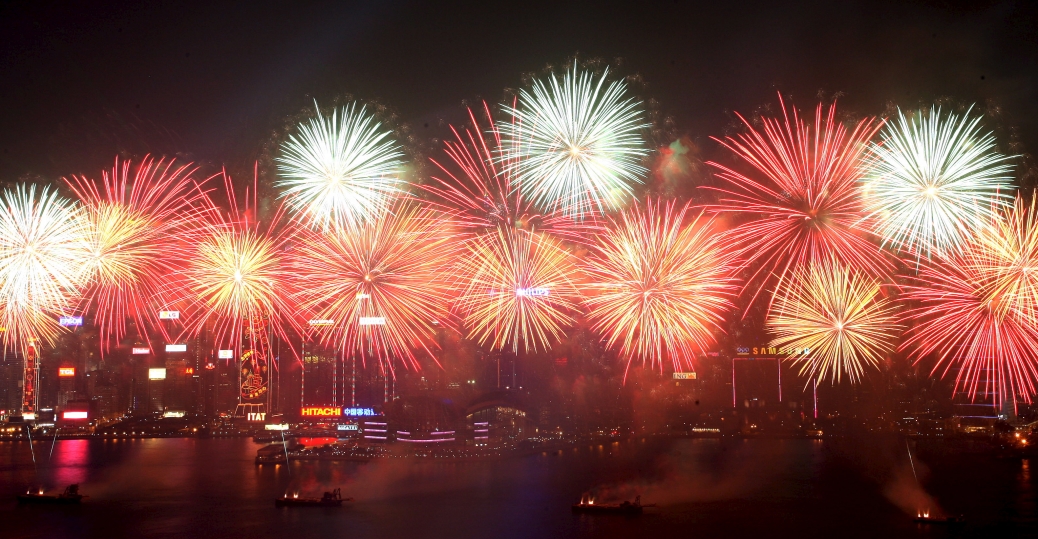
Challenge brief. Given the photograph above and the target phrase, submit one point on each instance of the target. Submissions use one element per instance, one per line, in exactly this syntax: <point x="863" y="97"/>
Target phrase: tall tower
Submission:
<point x="254" y="373"/>
<point x="31" y="381"/>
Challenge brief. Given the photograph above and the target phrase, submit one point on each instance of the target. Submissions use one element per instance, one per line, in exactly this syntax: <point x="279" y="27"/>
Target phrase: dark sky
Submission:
<point x="210" y="81"/>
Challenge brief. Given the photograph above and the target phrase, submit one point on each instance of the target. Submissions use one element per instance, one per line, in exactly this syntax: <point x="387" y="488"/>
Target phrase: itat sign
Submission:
<point x="256" y="416"/>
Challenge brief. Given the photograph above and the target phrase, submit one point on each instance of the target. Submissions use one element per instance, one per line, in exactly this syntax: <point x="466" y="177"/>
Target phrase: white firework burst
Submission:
<point x="43" y="246"/>
<point x="575" y="145"/>
<point x="933" y="181"/>
<point x="341" y="169"/>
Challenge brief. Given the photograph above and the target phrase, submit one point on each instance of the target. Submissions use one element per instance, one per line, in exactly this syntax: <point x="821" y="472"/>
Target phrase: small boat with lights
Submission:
<point x="329" y="499"/>
<point x="587" y="505"/>
<point x="69" y="496"/>
<point x="925" y="517"/>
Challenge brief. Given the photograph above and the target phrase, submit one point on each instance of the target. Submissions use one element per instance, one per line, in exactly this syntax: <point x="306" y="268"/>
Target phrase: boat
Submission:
<point x="69" y="496"/>
<point x="587" y="505"/>
<point x="329" y="499"/>
<point x="277" y="452"/>
<point x="924" y="517"/>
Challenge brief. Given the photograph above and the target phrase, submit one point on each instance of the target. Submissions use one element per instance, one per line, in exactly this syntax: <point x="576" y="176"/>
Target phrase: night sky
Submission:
<point x="81" y="83"/>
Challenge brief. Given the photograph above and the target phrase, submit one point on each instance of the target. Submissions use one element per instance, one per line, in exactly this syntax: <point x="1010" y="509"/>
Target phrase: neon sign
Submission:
<point x="347" y="426"/>
<point x="176" y="348"/>
<point x="532" y="292"/>
<point x="157" y="374"/>
<point x="256" y="416"/>
<point x="225" y="354"/>
<point x="358" y="412"/>
<point x="684" y="376"/>
<point x="74" y="415"/>
<point x="320" y="411"/>
<point x="140" y="351"/>
<point x="68" y="321"/>
<point x="66" y="371"/>
<point x="169" y="315"/>
<point x="373" y="320"/>
<point x="322" y="322"/>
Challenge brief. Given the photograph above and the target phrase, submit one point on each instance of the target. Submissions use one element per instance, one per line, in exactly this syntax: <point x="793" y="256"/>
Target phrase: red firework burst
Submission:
<point x="132" y="214"/>
<point x="975" y="312"/>
<point x="800" y="194"/>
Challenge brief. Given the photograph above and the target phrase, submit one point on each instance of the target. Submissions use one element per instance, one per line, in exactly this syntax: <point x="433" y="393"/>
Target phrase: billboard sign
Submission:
<point x="69" y="321"/>
<point x="65" y="372"/>
<point x="225" y="354"/>
<point x="347" y="426"/>
<point x="373" y="320"/>
<point x="532" y="292"/>
<point x="277" y="426"/>
<point x="74" y="415"/>
<point x="176" y="348"/>
<point x="157" y="374"/>
<point x="322" y="322"/>
<point x="169" y="315"/>
<point x="684" y="376"/>
<point x="320" y="411"/>
<point x="358" y="412"/>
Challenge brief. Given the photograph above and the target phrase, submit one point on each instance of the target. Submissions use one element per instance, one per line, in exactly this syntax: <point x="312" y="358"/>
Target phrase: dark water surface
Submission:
<point x="190" y="488"/>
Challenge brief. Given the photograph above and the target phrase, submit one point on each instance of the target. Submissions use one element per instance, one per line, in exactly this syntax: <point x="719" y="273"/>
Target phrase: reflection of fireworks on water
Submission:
<point x="131" y="217"/>
<point x="801" y="195"/>
<point x="517" y="289"/>
<point x="574" y="145"/>
<point x="342" y="169"/>
<point x="971" y="317"/>
<point x="660" y="285"/>
<point x="381" y="283"/>
<point x="43" y="243"/>
<point x="839" y="315"/>
<point x="933" y="181"/>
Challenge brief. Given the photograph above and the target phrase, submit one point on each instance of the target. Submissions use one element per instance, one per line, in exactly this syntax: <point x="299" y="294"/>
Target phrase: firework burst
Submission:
<point x="976" y="310"/>
<point x="477" y="187"/>
<point x="382" y="284"/>
<point x="1009" y="255"/>
<point x="517" y="289"/>
<point x="340" y="170"/>
<point x="801" y="195"/>
<point x="933" y="181"/>
<point x="838" y="315"/>
<point x="574" y="145"/>
<point x="234" y="277"/>
<point x="43" y="243"/>
<point x="131" y="218"/>
<point x="660" y="285"/>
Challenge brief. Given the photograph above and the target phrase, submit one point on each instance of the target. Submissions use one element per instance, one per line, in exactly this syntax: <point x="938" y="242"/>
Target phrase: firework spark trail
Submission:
<point x="479" y="189"/>
<point x="933" y="181"/>
<point x="659" y="285"/>
<point x="340" y="170"/>
<point x="574" y="145"/>
<point x="801" y="195"/>
<point x="968" y="318"/>
<point x="43" y="243"/>
<point x="131" y="217"/>
<point x="517" y="289"/>
<point x="839" y="315"/>
<point x="382" y="283"/>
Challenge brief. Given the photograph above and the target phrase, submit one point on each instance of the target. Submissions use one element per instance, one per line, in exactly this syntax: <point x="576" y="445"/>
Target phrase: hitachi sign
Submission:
<point x="321" y="411"/>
